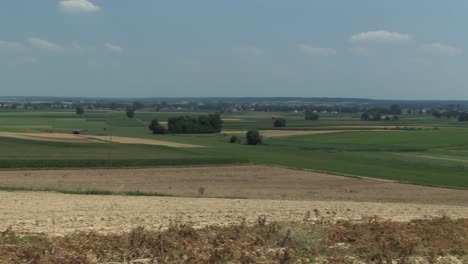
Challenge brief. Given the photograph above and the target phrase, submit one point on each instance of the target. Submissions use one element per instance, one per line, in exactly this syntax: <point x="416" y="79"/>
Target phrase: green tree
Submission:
<point x="130" y="112"/>
<point x="234" y="139"/>
<point x="156" y="127"/>
<point x="138" y="105"/>
<point x="311" y="115"/>
<point x="253" y="137"/>
<point x="365" y="116"/>
<point x="395" y="109"/>
<point x="279" y="122"/>
<point x="79" y="110"/>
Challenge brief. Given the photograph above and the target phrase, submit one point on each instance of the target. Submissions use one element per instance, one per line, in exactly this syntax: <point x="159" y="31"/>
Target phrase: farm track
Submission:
<point x="70" y="138"/>
<point x="286" y="133"/>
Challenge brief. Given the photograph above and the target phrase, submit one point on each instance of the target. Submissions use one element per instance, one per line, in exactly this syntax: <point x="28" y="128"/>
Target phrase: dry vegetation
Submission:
<point x="438" y="240"/>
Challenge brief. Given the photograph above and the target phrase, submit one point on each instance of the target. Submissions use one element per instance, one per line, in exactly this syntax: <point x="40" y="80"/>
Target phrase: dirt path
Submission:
<point x="49" y="137"/>
<point x="57" y="214"/>
<point x="71" y="138"/>
<point x="254" y="182"/>
<point x="285" y="133"/>
<point x="128" y="140"/>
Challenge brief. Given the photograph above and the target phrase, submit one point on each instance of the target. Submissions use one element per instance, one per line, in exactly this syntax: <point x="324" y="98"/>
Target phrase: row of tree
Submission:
<point x="252" y="137"/>
<point x="189" y="125"/>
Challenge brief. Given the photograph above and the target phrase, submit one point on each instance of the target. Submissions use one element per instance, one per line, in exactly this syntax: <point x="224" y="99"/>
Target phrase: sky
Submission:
<point x="395" y="49"/>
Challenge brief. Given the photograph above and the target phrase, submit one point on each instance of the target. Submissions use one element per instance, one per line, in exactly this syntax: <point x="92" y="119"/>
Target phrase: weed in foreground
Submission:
<point x="439" y="240"/>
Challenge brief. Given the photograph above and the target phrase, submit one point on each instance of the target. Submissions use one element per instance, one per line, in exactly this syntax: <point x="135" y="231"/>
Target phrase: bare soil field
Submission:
<point x="250" y="181"/>
<point x="50" y="137"/>
<point x="59" y="214"/>
<point x="71" y="138"/>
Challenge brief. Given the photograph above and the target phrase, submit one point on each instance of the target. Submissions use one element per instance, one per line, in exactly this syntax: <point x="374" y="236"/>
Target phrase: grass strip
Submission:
<point x="103" y="163"/>
<point x="81" y="191"/>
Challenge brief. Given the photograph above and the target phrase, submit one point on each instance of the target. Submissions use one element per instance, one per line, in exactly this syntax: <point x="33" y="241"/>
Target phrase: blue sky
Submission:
<point x="395" y="49"/>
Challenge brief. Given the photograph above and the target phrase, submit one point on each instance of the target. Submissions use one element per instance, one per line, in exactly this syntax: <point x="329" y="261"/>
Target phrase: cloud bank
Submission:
<point x="380" y="36"/>
<point x="113" y="47"/>
<point x="8" y="45"/>
<point x="441" y="49"/>
<point x="44" y="44"/>
<point x="78" y="6"/>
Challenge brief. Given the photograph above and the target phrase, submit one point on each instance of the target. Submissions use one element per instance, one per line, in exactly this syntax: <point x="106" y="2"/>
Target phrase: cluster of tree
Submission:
<point x="378" y="117"/>
<point x="156" y="127"/>
<point x="279" y="122"/>
<point x="130" y="112"/>
<point x="79" y="110"/>
<point x="189" y="125"/>
<point x="253" y="137"/>
<point x="311" y="115"/>
<point x="8" y="106"/>
<point x="463" y="117"/>
<point x="446" y="114"/>
<point x="382" y="113"/>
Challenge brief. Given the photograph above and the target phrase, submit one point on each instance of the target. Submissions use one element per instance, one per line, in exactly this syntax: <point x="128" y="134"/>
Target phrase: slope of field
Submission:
<point x="255" y="182"/>
<point x="57" y="214"/>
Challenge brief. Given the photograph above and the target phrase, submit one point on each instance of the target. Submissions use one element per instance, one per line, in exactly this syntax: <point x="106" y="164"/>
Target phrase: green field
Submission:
<point x="427" y="151"/>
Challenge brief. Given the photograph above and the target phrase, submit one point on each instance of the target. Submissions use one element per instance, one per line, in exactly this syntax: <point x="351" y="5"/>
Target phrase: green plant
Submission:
<point x="253" y="137"/>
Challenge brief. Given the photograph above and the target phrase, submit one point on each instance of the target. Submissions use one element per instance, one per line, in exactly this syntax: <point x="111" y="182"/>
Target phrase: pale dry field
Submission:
<point x="59" y="214"/>
<point x="249" y="181"/>
<point x="71" y="138"/>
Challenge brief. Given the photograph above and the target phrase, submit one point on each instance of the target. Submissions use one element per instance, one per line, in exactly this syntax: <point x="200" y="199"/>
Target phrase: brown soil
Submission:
<point x="253" y="182"/>
<point x="58" y="214"/>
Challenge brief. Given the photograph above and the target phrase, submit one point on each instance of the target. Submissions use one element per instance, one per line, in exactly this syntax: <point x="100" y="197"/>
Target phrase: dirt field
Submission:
<point x="70" y="138"/>
<point x="58" y="214"/>
<point x="254" y="182"/>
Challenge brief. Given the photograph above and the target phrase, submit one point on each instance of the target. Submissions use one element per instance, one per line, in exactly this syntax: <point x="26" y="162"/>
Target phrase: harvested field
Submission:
<point x="50" y="137"/>
<point x="71" y="138"/>
<point x="58" y="214"/>
<point x="254" y="182"/>
<point x="127" y="140"/>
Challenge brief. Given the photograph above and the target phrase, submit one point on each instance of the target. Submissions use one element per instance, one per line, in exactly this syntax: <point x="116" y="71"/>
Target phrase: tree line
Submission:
<point x="185" y="124"/>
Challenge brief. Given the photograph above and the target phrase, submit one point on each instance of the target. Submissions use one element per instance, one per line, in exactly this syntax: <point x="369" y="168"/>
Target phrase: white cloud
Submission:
<point x="380" y="36"/>
<point x="78" y="6"/>
<point x="307" y="49"/>
<point x="441" y="49"/>
<point x="362" y="51"/>
<point x="44" y="44"/>
<point x="8" y="45"/>
<point x="113" y="47"/>
<point x="247" y="51"/>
